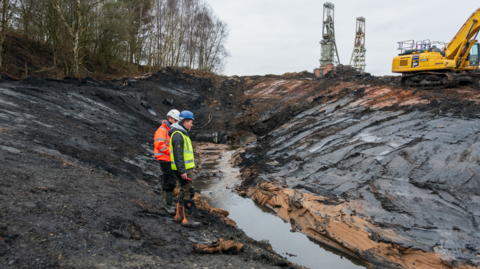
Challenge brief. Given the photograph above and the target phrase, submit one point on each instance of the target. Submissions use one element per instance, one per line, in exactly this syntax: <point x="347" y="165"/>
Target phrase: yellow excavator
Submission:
<point x="425" y="63"/>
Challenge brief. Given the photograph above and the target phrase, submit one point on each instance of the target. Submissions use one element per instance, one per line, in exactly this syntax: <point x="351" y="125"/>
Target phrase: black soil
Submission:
<point x="79" y="184"/>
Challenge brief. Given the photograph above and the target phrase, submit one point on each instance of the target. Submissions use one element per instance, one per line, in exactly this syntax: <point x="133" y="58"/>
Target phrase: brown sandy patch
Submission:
<point x="327" y="220"/>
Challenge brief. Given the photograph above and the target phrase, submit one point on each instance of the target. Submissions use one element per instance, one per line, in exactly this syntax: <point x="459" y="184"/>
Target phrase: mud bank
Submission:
<point x="79" y="184"/>
<point x="390" y="175"/>
<point x="216" y="182"/>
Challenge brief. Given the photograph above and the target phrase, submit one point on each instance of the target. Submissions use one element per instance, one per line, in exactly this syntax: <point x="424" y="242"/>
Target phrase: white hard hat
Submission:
<point x="174" y="114"/>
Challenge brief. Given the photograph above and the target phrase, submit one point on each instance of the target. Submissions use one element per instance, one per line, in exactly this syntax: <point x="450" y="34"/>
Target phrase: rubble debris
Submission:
<point x="222" y="213"/>
<point x="346" y="73"/>
<point x="300" y="75"/>
<point x="220" y="246"/>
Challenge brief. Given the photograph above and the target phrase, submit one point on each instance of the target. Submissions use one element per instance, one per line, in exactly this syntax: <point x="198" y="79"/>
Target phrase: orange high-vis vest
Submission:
<point x="162" y="143"/>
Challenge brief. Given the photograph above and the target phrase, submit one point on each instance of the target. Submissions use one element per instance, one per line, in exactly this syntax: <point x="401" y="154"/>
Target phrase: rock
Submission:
<point x="220" y="211"/>
<point x="346" y="73"/>
<point x="264" y="242"/>
<point x="3" y="230"/>
<point x="119" y="234"/>
<point x="230" y="221"/>
<point x="221" y="246"/>
<point x="3" y="248"/>
<point x="168" y="102"/>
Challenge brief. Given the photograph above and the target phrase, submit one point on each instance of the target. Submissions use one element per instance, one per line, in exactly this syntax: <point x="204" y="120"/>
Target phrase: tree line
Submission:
<point x="102" y="34"/>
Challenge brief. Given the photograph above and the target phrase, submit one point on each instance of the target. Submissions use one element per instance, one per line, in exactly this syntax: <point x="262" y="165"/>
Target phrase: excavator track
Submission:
<point x="437" y="79"/>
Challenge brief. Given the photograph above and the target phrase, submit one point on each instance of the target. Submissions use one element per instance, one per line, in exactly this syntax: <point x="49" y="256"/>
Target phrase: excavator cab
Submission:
<point x="473" y="57"/>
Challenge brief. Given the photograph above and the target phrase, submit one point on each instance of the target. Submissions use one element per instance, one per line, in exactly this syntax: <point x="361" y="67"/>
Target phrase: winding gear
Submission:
<point x="188" y="221"/>
<point x="162" y="142"/>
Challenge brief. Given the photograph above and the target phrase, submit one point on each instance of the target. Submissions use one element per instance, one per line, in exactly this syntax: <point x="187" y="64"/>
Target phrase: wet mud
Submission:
<point x="388" y="174"/>
<point x="260" y="222"/>
<point x="79" y="185"/>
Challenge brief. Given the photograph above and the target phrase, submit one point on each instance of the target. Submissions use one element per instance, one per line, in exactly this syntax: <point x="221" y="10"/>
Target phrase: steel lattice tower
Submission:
<point x="359" y="51"/>
<point x="329" y="51"/>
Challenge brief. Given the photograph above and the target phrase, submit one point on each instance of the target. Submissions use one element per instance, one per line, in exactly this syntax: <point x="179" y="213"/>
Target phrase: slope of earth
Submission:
<point x="391" y="174"/>
<point x="79" y="183"/>
<point x="24" y="57"/>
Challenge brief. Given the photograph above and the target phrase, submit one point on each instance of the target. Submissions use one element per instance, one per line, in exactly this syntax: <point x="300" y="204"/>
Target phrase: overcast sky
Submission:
<point x="279" y="36"/>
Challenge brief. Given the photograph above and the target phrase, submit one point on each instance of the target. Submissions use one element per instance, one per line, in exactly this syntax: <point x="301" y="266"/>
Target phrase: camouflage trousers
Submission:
<point x="187" y="190"/>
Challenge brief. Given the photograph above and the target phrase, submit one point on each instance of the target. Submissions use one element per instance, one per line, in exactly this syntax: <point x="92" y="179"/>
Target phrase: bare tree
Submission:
<point x="121" y="33"/>
<point x="77" y="9"/>
<point x="6" y="13"/>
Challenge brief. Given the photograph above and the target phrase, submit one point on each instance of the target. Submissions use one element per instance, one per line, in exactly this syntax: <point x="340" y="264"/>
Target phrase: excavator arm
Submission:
<point x="459" y="48"/>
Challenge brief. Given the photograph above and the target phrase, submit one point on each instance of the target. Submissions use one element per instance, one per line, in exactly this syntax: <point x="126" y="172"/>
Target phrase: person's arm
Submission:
<point x="177" y="144"/>
<point x="162" y="145"/>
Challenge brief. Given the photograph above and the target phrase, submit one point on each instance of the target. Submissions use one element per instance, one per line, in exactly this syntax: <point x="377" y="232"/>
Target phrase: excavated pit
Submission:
<point x="381" y="172"/>
<point x="390" y="174"/>
<point x="79" y="184"/>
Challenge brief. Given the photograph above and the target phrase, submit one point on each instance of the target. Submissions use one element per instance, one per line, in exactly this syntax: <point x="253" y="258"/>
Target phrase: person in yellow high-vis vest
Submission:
<point x="183" y="162"/>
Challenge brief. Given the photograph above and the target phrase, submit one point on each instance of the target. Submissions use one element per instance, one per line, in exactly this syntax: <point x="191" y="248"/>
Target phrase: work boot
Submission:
<point x="188" y="221"/>
<point x="179" y="213"/>
<point x="169" y="207"/>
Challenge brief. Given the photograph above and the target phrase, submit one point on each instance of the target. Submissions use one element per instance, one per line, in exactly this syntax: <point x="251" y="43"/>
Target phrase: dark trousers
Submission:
<point x="169" y="181"/>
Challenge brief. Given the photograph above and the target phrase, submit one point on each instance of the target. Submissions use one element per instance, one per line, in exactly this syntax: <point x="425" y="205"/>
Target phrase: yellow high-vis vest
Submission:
<point x="187" y="152"/>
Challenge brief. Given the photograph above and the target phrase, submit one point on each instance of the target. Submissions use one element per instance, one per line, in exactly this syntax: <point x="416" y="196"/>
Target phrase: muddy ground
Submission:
<point x="79" y="183"/>
<point x="384" y="173"/>
<point x="389" y="174"/>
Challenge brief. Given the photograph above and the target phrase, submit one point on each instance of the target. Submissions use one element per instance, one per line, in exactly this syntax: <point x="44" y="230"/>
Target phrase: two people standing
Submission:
<point x="172" y="140"/>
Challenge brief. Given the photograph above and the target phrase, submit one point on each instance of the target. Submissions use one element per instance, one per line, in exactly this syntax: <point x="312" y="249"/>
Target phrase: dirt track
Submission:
<point x="398" y="166"/>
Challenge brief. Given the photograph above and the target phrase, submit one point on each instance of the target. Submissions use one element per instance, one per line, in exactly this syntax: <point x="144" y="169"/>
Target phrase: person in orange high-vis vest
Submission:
<point x="162" y="153"/>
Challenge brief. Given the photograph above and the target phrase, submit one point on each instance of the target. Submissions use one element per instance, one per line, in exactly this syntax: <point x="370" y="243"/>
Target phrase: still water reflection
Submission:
<point x="260" y="223"/>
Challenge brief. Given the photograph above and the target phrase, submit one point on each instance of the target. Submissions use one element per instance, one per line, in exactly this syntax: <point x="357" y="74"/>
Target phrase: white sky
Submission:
<point x="279" y="36"/>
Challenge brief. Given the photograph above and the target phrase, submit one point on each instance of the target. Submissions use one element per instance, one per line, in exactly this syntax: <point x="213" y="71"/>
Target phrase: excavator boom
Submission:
<point x="469" y="29"/>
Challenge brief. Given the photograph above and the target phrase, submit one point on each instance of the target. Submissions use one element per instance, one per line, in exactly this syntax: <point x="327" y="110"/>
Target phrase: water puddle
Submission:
<point x="261" y="223"/>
